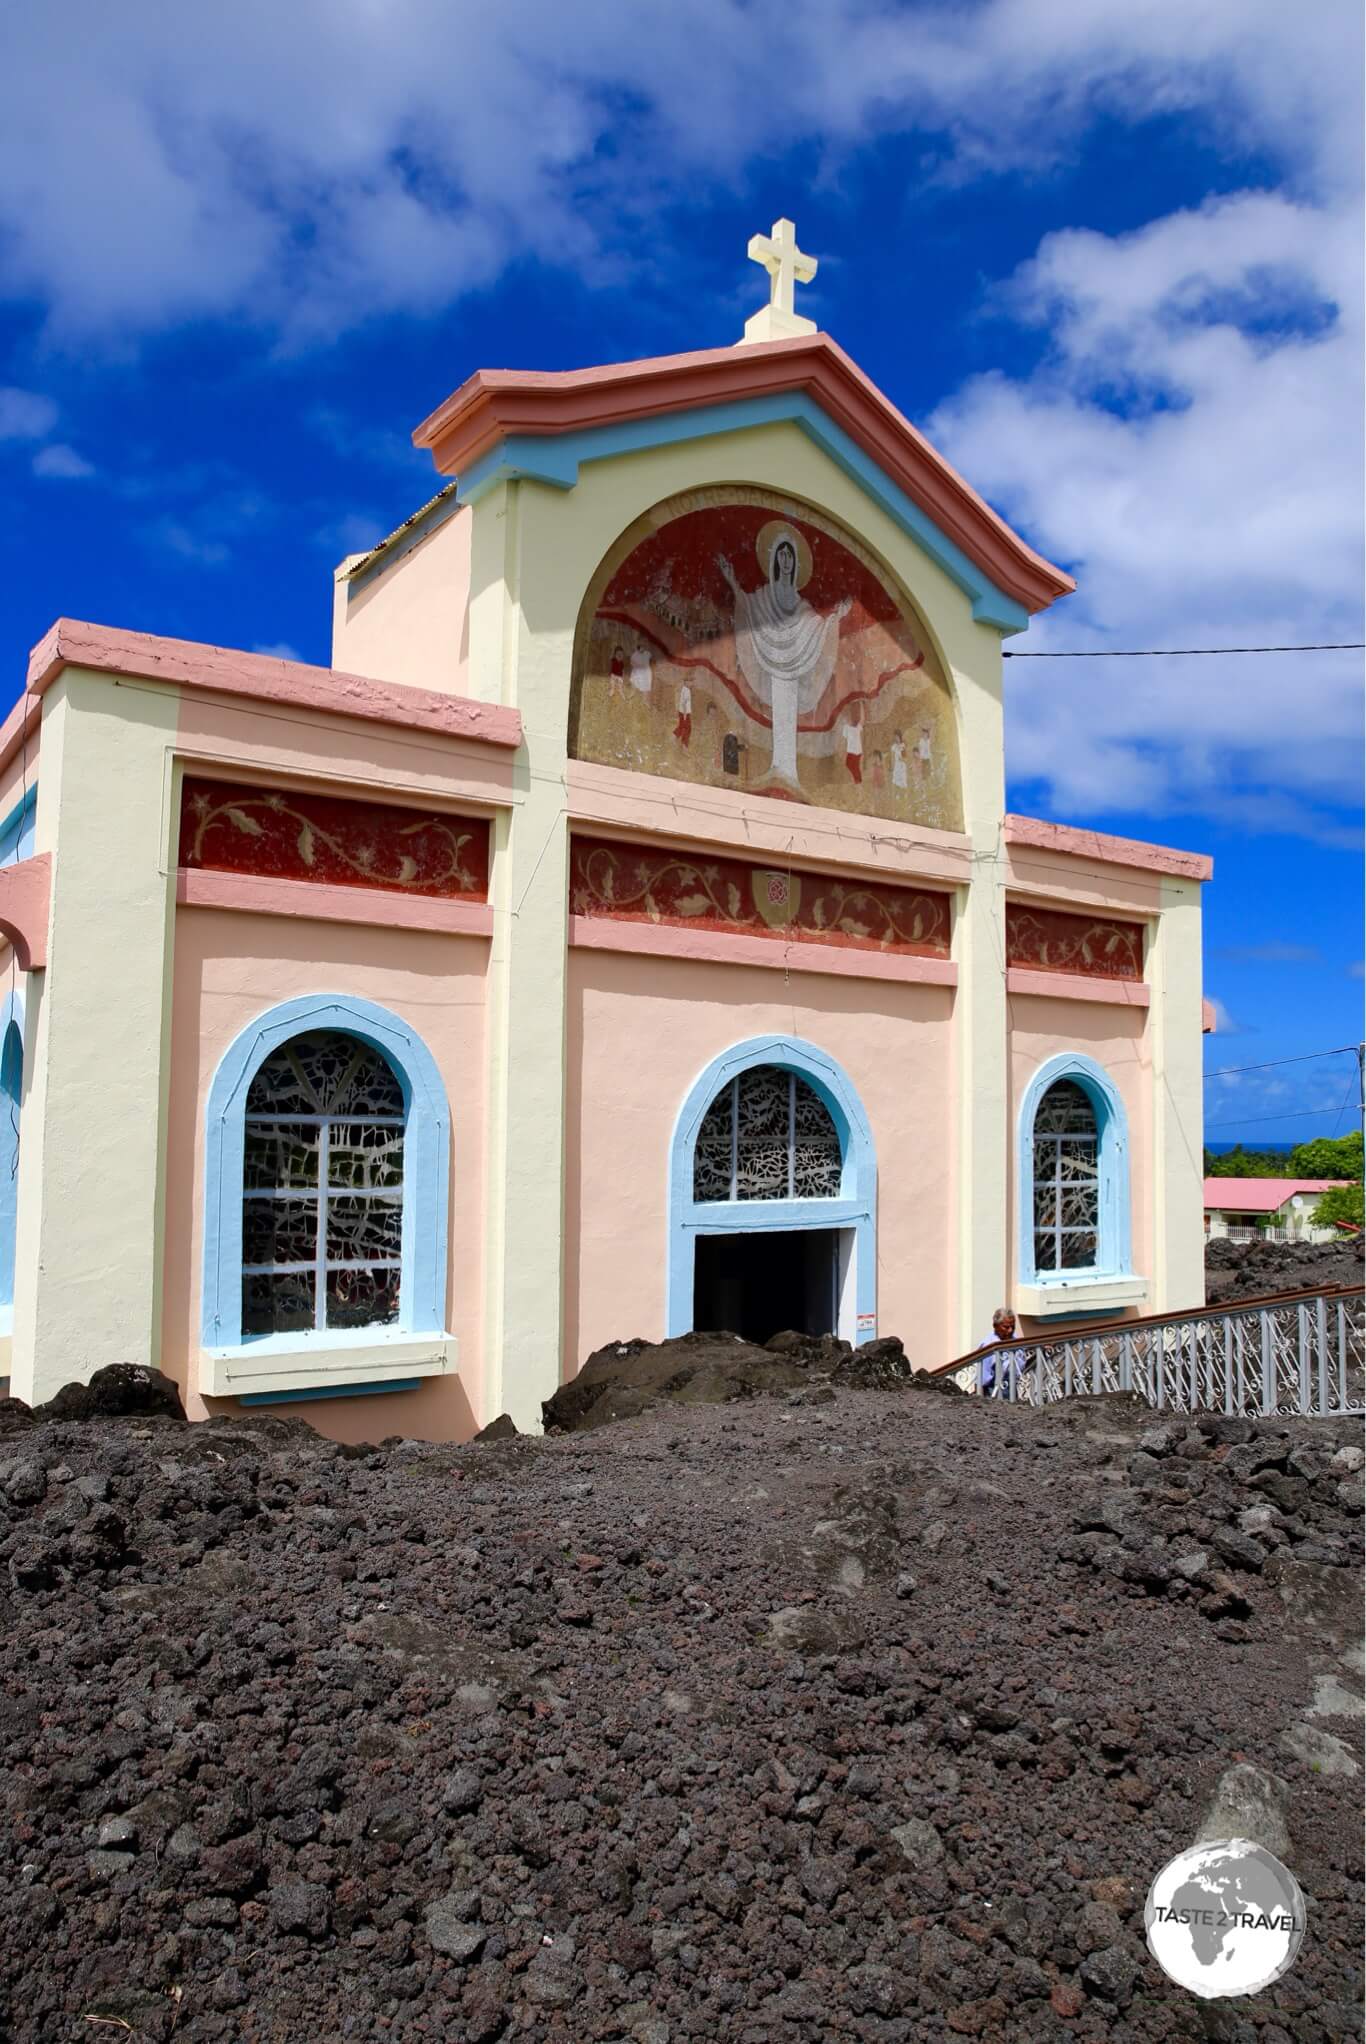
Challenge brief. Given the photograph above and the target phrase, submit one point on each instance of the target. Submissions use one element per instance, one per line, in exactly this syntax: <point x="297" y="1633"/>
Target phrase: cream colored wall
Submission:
<point x="90" y="1182"/>
<point x="533" y="553"/>
<point x="1119" y="1041"/>
<point x="229" y="968"/>
<point x="641" y="1031"/>
<point x="19" y="773"/>
<point x="405" y="620"/>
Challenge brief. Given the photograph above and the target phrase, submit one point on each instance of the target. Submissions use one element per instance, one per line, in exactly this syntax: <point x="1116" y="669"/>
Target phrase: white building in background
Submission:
<point x="1283" y="1208"/>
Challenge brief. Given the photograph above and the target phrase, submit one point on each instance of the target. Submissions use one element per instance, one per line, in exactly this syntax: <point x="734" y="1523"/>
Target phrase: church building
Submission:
<point x="625" y="934"/>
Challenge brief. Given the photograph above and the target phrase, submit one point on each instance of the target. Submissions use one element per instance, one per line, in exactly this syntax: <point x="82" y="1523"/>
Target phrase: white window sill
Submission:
<point x="298" y="1362"/>
<point x="1083" y="1293"/>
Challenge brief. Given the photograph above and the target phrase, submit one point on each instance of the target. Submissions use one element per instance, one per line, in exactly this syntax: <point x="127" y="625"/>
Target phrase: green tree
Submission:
<point x="1328" y="1157"/>
<point x="1241" y="1163"/>
<point x="1342" y="1203"/>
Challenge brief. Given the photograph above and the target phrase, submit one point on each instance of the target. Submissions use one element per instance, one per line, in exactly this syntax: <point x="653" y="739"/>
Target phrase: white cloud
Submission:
<point x="279" y="650"/>
<point x="1190" y="441"/>
<point x="62" y="462"/>
<point x="1191" y="444"/>
<point x="1225" y="1025"/>
<point x="24" y="414"/>
<point x="1270" y="954"/>
<point x="178" y="538"/>
<point x="352" y="534"/>
<point x="318" y="164"/>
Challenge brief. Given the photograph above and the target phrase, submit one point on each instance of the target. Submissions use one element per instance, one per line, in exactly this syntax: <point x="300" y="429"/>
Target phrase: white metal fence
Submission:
<point x="1302" y="1355"/>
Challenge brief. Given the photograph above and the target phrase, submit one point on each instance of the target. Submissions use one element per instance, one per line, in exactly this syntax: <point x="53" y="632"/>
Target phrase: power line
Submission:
<point x="1227" y="1071"/>
<point x="1184" y="652"/>
<point x="1253" y="1120"/>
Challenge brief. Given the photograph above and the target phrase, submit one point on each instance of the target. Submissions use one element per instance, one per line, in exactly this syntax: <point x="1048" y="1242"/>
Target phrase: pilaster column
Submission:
<point x="982" y="1050"/>
<point x="1175" y="1025"/>
<point x="513" y="662"/>
<point x="88" y="1252"/>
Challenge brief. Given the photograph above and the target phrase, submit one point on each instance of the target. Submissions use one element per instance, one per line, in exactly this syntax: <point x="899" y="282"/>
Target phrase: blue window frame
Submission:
<point x="1072" y="1174"/>
<point x="413" y="1121"/>
<point x="820" y="1095"/>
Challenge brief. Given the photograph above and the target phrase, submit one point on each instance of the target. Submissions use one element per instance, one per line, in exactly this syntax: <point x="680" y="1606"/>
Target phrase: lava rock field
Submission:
<point x="859" y="1714"/>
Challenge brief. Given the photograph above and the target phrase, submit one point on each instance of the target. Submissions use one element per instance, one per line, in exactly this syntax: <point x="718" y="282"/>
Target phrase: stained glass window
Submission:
<point x="1066" y="1180"/>
<point x="767" y="1135"/>
<point x="322" y="1188"/>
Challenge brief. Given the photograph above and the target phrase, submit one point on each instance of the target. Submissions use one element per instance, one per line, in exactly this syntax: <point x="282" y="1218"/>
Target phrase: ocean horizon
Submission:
<point x="1222" y="1149"/>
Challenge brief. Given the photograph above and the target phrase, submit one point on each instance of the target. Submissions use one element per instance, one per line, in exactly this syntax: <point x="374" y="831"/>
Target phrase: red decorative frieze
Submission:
<point x="228" y="827"/>
<point x="645" y="884"/>
<point x="1051" y="940"/>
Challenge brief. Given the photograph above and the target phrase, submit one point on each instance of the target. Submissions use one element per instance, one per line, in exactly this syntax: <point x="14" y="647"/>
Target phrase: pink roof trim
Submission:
<point x="1260" y="1195"/>
<point x="1107" y="851"/>
<point x="494" y="403"/>
<point x="228" y="671"/>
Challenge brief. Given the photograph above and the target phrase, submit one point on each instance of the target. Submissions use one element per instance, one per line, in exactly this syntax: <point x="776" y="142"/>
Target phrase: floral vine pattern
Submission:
<point x="232" y="828"/>
<point x="635" y="883"/>
<point x="1051" y="941"/>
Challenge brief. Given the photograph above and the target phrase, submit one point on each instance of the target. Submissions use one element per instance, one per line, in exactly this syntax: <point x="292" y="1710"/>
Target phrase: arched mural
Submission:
<point x="742" y="639"/>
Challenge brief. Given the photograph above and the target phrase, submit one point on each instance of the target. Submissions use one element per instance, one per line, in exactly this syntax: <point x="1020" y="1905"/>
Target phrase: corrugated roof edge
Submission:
<point x="364" y="562"/>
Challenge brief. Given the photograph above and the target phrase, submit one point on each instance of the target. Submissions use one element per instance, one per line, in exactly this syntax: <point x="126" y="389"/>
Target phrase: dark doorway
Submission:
<point x="759" y="1283"/>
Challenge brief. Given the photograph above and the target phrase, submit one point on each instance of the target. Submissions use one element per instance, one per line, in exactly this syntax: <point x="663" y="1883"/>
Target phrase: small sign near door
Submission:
<point x="867" y="1323"/>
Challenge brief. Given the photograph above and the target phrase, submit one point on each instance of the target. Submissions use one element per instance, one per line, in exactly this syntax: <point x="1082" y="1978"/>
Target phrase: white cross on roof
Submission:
<point x="787" y="266"/>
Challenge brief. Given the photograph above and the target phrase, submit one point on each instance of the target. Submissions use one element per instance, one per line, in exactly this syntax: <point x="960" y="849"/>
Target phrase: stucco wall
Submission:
<point x="406" y="619"/>
<point x="1117" y="1038"/>
<point x="229" y="967"/>
<point x="640" y="1030"/>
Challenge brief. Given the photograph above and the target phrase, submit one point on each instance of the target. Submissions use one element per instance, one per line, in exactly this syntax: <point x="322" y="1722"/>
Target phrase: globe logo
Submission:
<point x="1225" y="1918"/>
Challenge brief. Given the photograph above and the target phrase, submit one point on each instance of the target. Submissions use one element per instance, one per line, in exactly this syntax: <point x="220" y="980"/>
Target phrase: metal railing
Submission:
<point x="1294" y="1354"/>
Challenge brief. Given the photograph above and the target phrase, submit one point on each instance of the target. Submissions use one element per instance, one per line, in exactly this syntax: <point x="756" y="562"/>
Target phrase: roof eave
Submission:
<point x="497" y="403"/>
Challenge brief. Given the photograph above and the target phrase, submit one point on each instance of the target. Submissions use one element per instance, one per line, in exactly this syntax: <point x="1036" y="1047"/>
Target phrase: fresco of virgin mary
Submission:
<point x="785" y="648"/>
<point x="804" y="664"/>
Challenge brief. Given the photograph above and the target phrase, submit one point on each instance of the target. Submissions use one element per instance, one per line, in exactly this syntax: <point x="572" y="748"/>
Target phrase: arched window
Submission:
<point x="327" y="1178"/>
<point x="1073" y="1166"/>
<point x="773" y="1196"/>
<point x="1066" y="1180"/>
<point x="322" y="1188"/>
<point x="767" y="1135"/>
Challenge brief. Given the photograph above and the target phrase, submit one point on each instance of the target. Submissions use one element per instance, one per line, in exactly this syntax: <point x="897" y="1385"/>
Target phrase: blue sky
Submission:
<point x="1110" y="258"/>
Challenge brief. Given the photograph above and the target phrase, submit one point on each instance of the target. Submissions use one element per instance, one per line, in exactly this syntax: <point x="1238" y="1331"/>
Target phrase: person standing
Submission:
<point x="683" y="728"/>
<point x="853" y="746"/>
<point x="995" y="1371"/>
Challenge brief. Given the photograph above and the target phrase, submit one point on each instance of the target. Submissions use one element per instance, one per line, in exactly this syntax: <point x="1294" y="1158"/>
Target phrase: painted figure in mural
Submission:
<point x="785" y="648"/>
<point x="641" y="672"/>
<point x="683" y="728"/>
<point x="922" y="751"/>
<point x="897" y="749"/>
<point x="852" y="733"/>
<point x="875" y="771"/>
<point x="616" y="674"/>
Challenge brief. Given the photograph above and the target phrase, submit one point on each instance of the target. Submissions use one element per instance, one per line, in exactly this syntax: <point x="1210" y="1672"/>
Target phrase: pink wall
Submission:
<point x="1075" y="881"/>
<point x="407" y="620"/>
<point x="1117" y="1038"/>
<point x="641" y="1030"/>
<point x="229" y="967"/>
